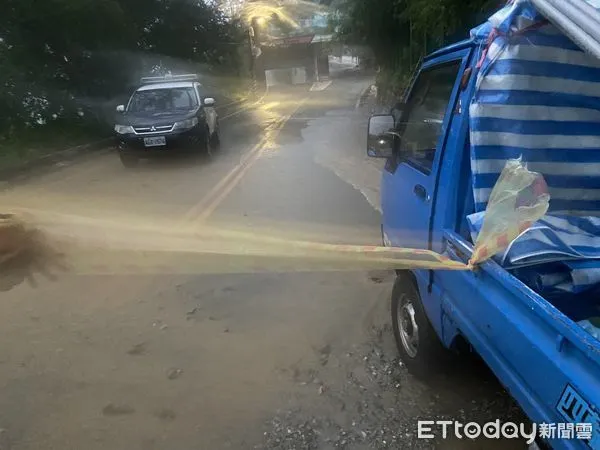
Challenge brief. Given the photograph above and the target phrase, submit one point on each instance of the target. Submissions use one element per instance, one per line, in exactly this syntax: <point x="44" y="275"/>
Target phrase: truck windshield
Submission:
<point x="163" y="100"/>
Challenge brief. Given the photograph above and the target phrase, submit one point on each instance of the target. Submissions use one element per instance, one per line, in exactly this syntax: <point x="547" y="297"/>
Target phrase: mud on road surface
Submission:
<point x="225" y="361"/>
<point x="362" y="397"/>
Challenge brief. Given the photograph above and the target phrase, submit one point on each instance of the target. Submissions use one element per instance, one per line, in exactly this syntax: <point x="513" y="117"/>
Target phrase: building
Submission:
<point x="292" y="53"/>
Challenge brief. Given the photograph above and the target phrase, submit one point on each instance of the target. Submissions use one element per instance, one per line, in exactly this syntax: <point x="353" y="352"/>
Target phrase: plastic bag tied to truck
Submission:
<point x="119" y="244"/>
<point x="518" y="199"/>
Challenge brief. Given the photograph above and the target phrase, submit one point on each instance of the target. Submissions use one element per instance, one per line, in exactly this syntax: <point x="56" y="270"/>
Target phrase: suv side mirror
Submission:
<point x="121" y="108"/>
<point x="381" y="136"/>
<point x="209" y="101"/>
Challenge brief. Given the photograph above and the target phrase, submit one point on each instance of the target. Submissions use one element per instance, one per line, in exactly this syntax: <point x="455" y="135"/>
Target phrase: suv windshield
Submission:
<point x="163" y="100"/>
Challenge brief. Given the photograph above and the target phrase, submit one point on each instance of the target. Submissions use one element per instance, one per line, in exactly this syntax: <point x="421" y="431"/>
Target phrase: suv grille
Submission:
<point x="153" y="129"/>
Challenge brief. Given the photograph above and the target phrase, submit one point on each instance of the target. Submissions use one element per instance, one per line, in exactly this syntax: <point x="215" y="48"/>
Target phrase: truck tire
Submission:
<point x="419" y="346"/>
<point x="128" y="160"/>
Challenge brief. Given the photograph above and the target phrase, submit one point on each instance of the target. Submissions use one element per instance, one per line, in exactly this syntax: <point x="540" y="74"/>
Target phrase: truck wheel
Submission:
<point x="129" y="160"/>
<point x="419" y="346"/>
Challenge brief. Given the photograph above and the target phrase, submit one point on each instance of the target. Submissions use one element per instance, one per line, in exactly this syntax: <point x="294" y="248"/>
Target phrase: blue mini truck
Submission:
<point x="518" y="88"/>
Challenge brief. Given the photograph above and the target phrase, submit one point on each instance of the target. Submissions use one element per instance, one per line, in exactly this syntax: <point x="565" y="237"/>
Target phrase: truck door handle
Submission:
<point x="421" y="192"/>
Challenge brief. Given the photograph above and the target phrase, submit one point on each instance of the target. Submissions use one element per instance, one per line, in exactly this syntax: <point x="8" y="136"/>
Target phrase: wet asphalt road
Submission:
<point x="274" y="361"/>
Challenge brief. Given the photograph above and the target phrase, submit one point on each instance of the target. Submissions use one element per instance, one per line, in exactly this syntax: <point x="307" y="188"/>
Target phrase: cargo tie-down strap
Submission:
<point x="93" y="245"/>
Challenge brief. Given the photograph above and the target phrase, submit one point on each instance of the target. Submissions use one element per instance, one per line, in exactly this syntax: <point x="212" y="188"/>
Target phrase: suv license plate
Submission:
<point x="155" y="141"/>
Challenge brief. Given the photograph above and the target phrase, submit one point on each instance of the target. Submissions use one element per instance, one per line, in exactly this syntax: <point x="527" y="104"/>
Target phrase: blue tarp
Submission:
<point x="538" y="99"/>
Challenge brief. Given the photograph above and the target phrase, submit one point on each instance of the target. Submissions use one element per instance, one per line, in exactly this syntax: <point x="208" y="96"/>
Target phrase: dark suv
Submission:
<point x="166" y="114"/>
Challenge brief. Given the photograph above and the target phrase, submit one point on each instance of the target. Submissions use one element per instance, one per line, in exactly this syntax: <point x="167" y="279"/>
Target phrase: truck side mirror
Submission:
<point x="380" y="140"/>
<point x="121" y="108"/>
<point x="209" y="101"/>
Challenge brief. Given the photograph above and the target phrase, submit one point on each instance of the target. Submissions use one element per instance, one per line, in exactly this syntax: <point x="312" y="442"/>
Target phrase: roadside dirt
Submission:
<point x="226" y="361"/>
<point x="362" y="396"/>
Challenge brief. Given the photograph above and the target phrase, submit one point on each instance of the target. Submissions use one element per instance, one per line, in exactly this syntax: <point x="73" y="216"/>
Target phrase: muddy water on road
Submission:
<point x="239" y="361"/>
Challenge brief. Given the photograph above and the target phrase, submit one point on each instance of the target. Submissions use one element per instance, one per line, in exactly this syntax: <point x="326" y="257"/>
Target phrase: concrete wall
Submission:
<point x="294" y="64"/>
<point x="287" y="76"/>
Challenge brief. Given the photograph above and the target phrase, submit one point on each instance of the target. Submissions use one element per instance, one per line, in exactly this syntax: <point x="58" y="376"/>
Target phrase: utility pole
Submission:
<point x="410" y="42"/>
<point x="251" y="47"/>
<point x="255" y="52"/>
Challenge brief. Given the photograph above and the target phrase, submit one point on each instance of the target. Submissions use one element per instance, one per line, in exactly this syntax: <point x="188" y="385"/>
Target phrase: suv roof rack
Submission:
<point x="167" y="78"/>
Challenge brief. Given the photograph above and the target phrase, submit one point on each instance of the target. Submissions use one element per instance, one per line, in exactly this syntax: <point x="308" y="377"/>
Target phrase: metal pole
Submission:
<point x="410" y="42"/>
<point x="316" y="56"/>
<point x="581" y="12"/>
<point x="582" y="28"/>
<point x="252" y="65"/>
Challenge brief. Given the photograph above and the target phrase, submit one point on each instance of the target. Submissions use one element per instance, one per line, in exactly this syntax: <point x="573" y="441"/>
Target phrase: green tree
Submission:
<point x="399" y="32"/>
<point x="61" y="56"/>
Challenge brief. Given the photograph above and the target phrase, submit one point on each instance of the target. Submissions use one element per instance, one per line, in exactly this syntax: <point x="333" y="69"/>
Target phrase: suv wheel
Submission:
<point x="205" y="146"/>
<point x="215" y="139"/>
<point x="128" y="160"/>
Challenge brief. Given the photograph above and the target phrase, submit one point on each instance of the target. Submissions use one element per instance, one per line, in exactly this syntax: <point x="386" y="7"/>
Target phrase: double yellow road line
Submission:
<point x="211" y="201"/>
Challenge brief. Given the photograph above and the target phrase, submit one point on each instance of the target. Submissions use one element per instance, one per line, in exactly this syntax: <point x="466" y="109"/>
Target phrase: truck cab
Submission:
<point x="535" y="345"/>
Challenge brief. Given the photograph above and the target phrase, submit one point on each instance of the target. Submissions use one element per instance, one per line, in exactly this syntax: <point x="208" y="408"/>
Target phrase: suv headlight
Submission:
<point x="186" y="124"/>
<point x="123" y="129"/>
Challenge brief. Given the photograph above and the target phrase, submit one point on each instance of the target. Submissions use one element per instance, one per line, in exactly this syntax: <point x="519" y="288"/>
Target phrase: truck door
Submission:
<point x="409" y="179"/>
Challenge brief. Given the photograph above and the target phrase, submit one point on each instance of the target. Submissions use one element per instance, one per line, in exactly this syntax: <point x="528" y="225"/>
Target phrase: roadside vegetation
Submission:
<point x="400" y="32"/>
<point x="66" y="63"/>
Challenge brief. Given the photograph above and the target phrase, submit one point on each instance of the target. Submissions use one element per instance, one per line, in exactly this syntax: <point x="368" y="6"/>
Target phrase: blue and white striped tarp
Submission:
<point x="538" y="99"/>
<point x="551" y="239"/>
<point x="559" y="254"/>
